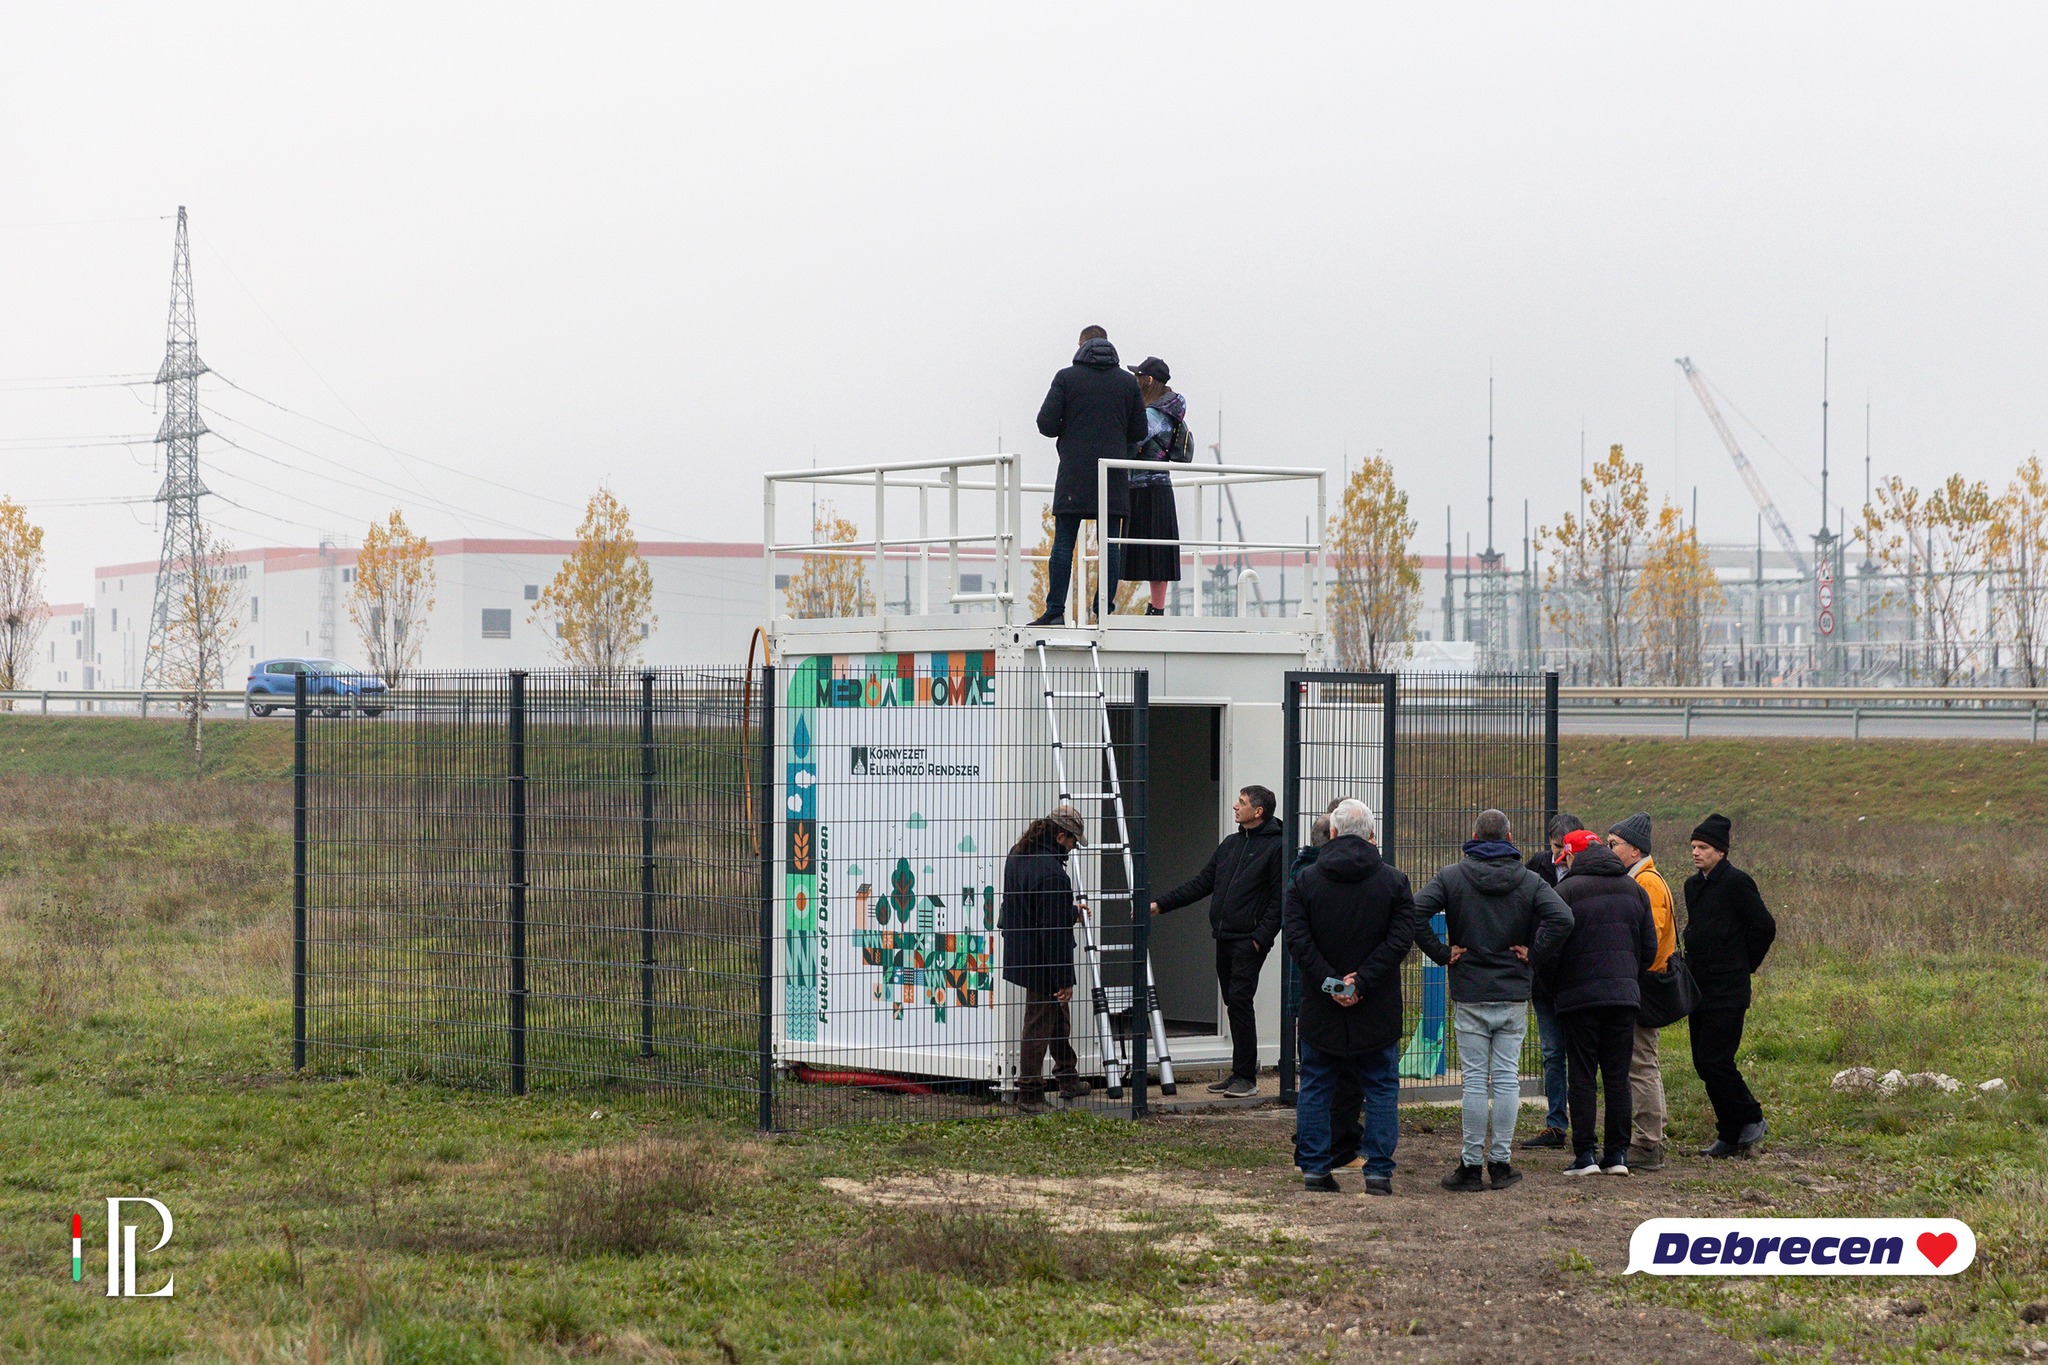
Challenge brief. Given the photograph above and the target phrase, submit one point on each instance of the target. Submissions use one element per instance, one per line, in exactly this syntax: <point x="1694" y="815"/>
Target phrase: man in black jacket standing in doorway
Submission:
<point x="1243" y="880"/>
<point x="1096" y="412"/>
<point x="1728" y="929"/>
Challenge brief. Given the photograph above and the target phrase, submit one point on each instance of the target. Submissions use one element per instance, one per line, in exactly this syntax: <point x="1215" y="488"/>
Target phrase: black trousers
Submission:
<point x="1716" y="1034"/>
<point x="1046" y="1026"/>
<point x="1238" y="962"/>
<point x="1602" y="1039"/>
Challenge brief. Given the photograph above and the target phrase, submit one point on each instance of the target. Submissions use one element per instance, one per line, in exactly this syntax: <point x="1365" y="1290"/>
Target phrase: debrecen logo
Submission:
<point x="121" y="1252"/>
<point x="1801" y="1246"/>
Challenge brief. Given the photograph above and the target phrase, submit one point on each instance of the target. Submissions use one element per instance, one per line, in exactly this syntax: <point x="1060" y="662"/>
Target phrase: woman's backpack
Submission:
<point x="1180" y="447"/>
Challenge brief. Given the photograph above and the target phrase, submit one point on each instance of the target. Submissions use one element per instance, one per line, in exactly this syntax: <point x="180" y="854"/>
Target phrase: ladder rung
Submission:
<point x="1101" y="848"/>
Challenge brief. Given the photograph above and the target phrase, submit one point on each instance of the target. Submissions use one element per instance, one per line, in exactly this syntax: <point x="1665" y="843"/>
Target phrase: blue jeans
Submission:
<point x="1490" y="1054"/>
<point x="1550" y="1037"/>
<point x="1378" y="1075"/>
<point x="1066" y="531"/>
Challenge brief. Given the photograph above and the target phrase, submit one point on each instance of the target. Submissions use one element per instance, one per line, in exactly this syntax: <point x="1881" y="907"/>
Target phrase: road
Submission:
<point x="1835" y="724"/>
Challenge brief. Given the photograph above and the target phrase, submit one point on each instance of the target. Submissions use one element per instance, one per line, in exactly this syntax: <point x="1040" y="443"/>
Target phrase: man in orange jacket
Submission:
<point x="1630" y="841"/>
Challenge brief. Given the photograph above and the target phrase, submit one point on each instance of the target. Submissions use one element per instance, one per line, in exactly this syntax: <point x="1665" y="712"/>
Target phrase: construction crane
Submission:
<point x="1744" y="467"/>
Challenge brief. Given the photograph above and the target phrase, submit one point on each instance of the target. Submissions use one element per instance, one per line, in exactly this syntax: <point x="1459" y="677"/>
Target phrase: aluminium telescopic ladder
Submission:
<point x="1115" y="1057"/>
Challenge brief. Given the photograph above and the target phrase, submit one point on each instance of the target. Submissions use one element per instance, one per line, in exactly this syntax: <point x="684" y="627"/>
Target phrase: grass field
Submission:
<point x="144" y="958"/>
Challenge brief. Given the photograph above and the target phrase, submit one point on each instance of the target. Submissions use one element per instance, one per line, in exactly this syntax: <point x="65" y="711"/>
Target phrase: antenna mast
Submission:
<point x="1492" y="654"/>
<point x="177" y="656"/>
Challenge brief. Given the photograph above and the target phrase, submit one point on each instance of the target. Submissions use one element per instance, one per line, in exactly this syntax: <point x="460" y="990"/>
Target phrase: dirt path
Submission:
<point x="1427" y="1275"/>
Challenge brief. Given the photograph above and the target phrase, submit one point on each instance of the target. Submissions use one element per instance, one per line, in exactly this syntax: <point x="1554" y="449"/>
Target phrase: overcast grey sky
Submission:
<point x="671" y="246"/>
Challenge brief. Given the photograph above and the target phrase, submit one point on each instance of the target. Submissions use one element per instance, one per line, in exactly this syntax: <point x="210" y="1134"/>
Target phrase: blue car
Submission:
<point x="273" y="683"/>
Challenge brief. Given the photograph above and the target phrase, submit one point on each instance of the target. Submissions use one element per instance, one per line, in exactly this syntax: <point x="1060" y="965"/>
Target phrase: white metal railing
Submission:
<point x="1001" y="547"/>
<point x="1003" y="483"/>
<point x="1220" y="477"/>
<point x="117" y="700"/>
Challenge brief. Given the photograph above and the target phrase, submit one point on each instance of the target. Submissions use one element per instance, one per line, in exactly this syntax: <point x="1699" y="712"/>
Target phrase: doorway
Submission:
<point x="1186" y="757"/>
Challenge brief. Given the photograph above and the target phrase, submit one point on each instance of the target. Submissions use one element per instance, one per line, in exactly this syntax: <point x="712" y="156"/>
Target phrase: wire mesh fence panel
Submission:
<point x="1466" y="744"/>
<point x="925" y="912"/>
<point x="536" y="880"/>
<point x="1427" y="753"/>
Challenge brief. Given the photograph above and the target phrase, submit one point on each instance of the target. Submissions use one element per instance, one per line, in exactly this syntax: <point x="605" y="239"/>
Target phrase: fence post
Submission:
<point x="1688" y="720"/>
<point x="515" y="733"/>
<point x="1141" y="895"/>
<point x="1855" y="722"/>
<point x="1550" y="751"/>
<point x="764" y="806"/>
<point x="299" y="873"/>
<point x="1290" y="795"/>
<point x="647" y="864"/>
<point x="1390" y="739"/>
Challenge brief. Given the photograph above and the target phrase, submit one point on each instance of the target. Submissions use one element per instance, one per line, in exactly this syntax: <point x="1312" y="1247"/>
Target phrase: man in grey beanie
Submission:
<point x="1630" y="840"/>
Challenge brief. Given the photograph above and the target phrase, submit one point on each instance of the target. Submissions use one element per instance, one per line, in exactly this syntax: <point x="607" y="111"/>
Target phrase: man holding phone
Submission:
<point x="1349" y="921"/>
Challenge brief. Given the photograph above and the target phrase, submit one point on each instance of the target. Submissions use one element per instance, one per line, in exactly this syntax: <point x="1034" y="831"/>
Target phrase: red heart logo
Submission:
<point x="1937" y="1247"/>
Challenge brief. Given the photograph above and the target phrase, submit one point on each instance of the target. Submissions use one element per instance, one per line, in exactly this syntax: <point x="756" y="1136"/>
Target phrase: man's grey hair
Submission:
<point x="1493" y="824"/>
<point x="1352" y="817"/>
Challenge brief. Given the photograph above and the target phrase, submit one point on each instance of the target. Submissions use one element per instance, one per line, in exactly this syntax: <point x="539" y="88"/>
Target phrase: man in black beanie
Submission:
<point x="1728" y="930"/>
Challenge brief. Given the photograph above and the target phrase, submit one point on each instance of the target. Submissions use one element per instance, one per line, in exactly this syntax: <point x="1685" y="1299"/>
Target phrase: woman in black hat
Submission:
<point x="1152" y="515"/>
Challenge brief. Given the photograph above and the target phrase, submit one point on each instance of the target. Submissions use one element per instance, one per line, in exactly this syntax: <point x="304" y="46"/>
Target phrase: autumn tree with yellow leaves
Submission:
<point x="199" y="630"/>
<point x="832" y="584"/>
<point x="1937" y="545"/>
<point x="1590" y="582"/>
<point x="23" y="609"/>
<point x="393" y="593"/>
<point x="2019" y="562"/>
<point x="599" y="605"/>
<point x="1373" y="581"/>
<point x="1672" y="596"/>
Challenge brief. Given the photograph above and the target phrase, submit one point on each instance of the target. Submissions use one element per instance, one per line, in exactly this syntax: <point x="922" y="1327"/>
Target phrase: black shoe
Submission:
<point x="1379" y="1184"/>
<point x="1549" y="1137"/>
<point x="1049" y="619"/>
<point x="1074" y="1088"/>
<point x="1240" y="1087"/>
<point x="1218" y="1087"/>
<point x="1585" y="1163"/>
<point x="1155" y="611"/>
<point x="1615" y="1162"/>
<point x="1320" y="1184"/>
<point x="1751" y="1134"/>
<point x="1721" y="1150"/>
<point x="1466" y="1179"/>
<point x="1501" y="1174"/>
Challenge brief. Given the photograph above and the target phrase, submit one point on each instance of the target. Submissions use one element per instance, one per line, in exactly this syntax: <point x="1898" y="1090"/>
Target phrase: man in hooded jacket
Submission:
<point x="1350" y="921"/>
<point x="1596" y="988"/>
<point x="1500" y="918"/>
<point x="1095" y="412"/>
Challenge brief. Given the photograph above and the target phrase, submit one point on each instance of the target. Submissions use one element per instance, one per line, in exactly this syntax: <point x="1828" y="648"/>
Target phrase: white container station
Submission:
<point x="914" y="746"/>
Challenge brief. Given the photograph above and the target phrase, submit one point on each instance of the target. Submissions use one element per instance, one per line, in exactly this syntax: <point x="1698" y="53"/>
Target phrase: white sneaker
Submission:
<point x="1585" y="1163"/>
<point x="1616" y="1163"/>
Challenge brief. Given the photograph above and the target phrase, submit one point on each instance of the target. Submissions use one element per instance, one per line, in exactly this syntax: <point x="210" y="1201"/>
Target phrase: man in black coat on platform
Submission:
<point x="1243" y="880"/>
<point x="1350" y="921"/>
<point x="1728" y="929"/>
<point x="1596" y="991"/>
<point x="1095" y="412"/>
<point x="1037" y="924"/>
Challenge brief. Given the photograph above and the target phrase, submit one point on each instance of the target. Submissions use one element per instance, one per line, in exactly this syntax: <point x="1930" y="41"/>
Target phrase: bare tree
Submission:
<point x="1590" y="581"/>
<point x="200" y="629"/>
